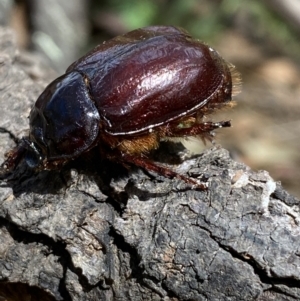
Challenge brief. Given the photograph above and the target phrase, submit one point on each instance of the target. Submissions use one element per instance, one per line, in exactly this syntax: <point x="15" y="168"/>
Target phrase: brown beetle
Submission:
<point x="125" y="96"/>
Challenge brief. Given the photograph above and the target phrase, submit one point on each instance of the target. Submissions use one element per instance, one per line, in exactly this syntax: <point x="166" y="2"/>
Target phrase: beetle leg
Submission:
<point x="197" y="129"/>
<point x="14" y="156"/>
<point x="166" y="172"/>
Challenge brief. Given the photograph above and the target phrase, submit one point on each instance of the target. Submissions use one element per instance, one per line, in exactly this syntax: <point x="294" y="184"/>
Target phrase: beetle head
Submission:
<point x="64" y="121"/>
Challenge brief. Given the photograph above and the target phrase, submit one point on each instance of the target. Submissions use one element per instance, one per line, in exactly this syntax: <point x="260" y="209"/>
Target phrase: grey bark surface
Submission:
<point x="76" y="235"/>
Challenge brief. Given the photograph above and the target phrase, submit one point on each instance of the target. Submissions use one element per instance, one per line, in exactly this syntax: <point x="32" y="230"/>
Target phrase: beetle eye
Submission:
<point x="33" y="156"/>
<point x="36" y="131"/>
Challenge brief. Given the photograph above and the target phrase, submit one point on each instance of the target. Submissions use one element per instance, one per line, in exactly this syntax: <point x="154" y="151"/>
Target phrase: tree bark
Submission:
<point x="108" y="234"/>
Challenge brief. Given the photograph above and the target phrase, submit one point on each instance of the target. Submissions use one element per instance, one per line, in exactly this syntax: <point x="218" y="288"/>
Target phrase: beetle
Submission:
<point x="124" y="97"/>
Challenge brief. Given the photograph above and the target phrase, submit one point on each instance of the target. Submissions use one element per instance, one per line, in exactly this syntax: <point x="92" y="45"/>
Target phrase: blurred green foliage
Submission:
<point x="207" y="19"/>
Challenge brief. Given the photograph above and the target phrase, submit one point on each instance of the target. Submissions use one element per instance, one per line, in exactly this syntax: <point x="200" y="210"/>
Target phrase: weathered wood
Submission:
<point x="105" y="234"/>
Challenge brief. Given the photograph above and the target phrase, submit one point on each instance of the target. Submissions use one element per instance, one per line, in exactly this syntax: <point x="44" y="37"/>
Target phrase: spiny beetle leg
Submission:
<point x="166" y="172"/>
<point x="198" y="129"/>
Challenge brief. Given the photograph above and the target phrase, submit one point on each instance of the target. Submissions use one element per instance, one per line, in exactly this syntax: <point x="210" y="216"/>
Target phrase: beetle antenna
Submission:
<point x="11" y="135"/>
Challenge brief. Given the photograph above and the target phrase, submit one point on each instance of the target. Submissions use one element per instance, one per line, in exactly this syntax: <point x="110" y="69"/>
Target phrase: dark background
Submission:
<point x="260" y="37"/>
